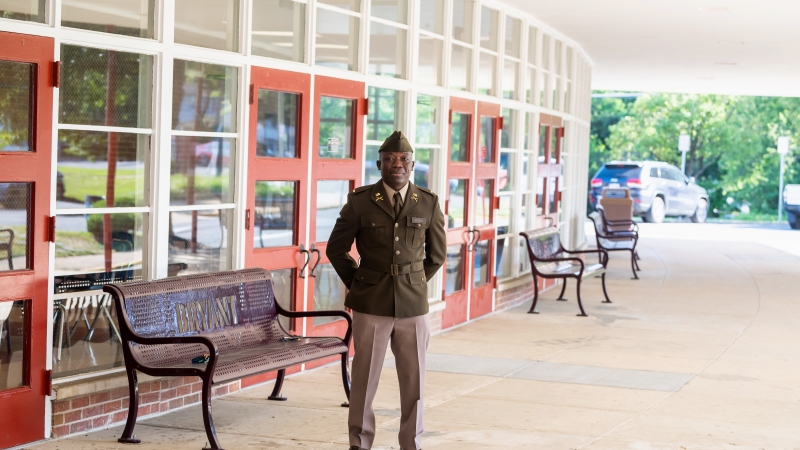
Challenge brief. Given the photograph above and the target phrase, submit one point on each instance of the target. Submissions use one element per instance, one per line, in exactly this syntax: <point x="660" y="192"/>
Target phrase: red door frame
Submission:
<point x="24" y="419"/>
<point x="333" y="169"/>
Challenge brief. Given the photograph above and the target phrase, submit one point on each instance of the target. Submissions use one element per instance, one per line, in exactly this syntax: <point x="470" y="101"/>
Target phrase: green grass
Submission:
<point x="750" y="217"/>
<point x="76" y="243"/>
<point x="79" y="182"/>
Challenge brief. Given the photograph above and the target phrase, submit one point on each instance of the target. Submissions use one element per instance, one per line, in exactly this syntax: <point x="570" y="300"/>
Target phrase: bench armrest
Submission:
<point x="603" y="252"/>
<point x="343" y="314"/>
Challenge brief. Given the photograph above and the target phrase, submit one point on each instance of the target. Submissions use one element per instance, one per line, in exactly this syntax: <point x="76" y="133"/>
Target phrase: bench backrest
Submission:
<point x="601" y="232"/>
<point x="544" y="243"/>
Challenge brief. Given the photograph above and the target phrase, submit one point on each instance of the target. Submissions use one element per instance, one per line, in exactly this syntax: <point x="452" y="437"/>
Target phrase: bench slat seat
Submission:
<point x="549" y="259"/>
<point x="614" y="241"/>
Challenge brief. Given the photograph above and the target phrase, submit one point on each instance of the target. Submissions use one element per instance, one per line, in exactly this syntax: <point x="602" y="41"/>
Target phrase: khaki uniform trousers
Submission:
<point x="371" y="335"/>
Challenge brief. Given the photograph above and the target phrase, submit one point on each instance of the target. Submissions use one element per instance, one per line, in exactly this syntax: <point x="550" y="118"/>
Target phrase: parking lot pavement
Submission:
<point x="701" y="353"/>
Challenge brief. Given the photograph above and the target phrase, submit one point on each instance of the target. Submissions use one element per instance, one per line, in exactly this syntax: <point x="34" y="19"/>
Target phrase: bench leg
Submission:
<point x="133" y="410"/>
<point x="636" y="259"/>
<point x="563" y="288"/>
<point x="211" y="433"/>
<point x="580" y="304"/>
<point x="605" y="292"/>
<point x="535" y="296"/>
<point x="276" y="391"/>
<point x="345" y="380"/>
<point x="633" y="266"/>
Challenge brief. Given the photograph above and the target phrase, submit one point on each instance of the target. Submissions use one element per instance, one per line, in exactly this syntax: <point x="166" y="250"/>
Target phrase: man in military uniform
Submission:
<point x="399" y="233"/>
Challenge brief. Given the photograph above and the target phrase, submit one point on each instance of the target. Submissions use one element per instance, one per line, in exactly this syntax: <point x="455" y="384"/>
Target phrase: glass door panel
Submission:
<point x="336" y="127"/>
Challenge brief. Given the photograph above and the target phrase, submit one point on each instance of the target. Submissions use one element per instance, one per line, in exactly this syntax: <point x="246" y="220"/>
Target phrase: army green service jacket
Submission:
<point x="398" y="254"/>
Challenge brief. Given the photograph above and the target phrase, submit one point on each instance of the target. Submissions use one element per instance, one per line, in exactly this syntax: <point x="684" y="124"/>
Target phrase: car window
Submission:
<point x="675" y="175"/>
<point x="654" y="172"/>
<point x="619" y="171"/>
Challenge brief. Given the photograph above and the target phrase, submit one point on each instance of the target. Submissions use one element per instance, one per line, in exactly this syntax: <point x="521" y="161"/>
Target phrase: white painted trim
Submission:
<point x="107" y="129"/>
<point x="211" y="134"/>
<point x="213" y="207"/>
<point x="84" y="211"/>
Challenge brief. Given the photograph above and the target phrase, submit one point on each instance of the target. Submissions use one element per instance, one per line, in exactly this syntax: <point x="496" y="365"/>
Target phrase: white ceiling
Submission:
<point x="746" y="47"/>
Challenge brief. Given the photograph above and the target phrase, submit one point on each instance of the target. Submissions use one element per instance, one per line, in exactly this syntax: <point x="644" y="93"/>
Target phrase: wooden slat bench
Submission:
<point x="230" y="316"/>
<point x="616" y="241"/>
<point x="549" y="259"/>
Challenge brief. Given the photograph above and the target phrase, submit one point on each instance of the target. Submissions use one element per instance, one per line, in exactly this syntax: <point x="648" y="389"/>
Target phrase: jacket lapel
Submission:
<point x="409" y="203"/>
<point x="381" y="198"/>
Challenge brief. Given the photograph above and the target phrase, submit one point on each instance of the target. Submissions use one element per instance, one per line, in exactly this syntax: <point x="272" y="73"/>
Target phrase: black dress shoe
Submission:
<point x="353" y="447"/>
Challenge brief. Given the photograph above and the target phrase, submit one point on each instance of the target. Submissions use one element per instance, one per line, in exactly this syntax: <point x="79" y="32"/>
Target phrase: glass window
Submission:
<point x="13" y="338"/>
<point x="87" y="74"/>
<point x="425" y="167"/>
<point x="513" y="29"/>
<point x="557" y="67"/>
<point x="454" y="269"/>
<point x="283" y="287"/>
<point x="481" y="275"/>
<point x="504" y="258"/>
<point x="456" y="203"/>
<point x="208" y="23"/>
<point x="546" y="52"/>
<point x="336" y="40"/>
<point x="331" y="197"/>
<point x="279" y="29"/>
<point x="504" y="214"/>
<point x="199" y="241"/>
<point x="530" y="86"/>
<point x="371" y="173"/>
<point x="459" y="136"/>
<point x="506" y="175"/>
<point x="489" y="28"/>
<point x="510" y="70"/>
<point x="462" y="20"/>
<point x="532" y="42"/>
<point x="427" y="131"/>
<point x="204" y="97"/>
<point x="385" y="113"/>
<point x="387" y="50"/>
<point x="336" y="128"/>
<point x="200" y="170"/>
<point x="460" y="68"/>
<point x="15" y="227"/>
<point x="95" y="167"/>
<point x="486" y="72"/>
<point x="523" y="258"/>
<point x="540" y="185"/>
<point x="544" y="131"/>
<point x="277" y="124"/>
<point x="28" y="10"/>
<point x="431" y="16"/>
<point x="394" y="10"/>
<point x="508" y="136"/>
<point x="350" y="5"/>
<point x="275" y="207"/>
<point x="488" y="140"/>
<point x="329" y="293"/>
<point x="129" y="17"/>
<point x="16" y="106"/>
<point x="484" y="194"/>
<point x="429" y="64"/>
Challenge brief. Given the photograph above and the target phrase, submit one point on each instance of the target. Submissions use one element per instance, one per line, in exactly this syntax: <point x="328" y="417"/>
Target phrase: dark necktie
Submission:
<point x="398" y="199"/>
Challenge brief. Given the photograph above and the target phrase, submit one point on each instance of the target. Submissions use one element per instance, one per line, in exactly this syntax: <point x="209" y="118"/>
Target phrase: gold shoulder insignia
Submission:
<point x="415" y="197"/>
<point x="427" y="191"/>
<point x="362" y="189"/>
<point x="378" y="197"/>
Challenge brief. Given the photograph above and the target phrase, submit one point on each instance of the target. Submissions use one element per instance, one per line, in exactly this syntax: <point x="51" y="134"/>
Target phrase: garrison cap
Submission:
<point x="396" y="143"/>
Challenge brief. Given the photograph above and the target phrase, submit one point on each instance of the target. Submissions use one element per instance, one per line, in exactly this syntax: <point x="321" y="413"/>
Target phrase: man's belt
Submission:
<point x="394" y="269"/>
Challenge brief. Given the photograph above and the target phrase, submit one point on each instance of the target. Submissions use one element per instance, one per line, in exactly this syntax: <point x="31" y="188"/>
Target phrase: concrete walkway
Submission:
<point x="701" y="353"/>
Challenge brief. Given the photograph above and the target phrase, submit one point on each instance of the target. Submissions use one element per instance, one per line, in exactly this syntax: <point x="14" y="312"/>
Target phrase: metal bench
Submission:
<point x="230" y="316"/>
<point x="616" y="241"/>
<point x="549" y="259"/>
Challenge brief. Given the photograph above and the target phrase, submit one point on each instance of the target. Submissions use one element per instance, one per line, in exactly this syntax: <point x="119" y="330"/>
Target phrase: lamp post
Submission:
<point x="684" y="144"/>
<point x="783" y="149"/>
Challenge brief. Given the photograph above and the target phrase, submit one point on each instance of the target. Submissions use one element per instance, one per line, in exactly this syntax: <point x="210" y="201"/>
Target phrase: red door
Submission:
<point x="26" y="110"/>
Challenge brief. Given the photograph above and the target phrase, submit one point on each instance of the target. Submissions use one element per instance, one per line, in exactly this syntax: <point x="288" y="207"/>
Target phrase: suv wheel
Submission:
<point x="701" y="213"/>
<point x="657" y="212"/>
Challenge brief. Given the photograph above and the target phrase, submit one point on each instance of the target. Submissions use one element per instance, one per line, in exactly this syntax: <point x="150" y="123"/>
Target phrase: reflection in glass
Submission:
<point x="555" y="147"/>
<point x="274" y="218"/>
<point x="432" y="16"/>
<point x="337" y="40"/>
<point x="371" y="173"/>
<point x="15" y="226"/>
<point x="513" y="28"/>
<point x="522" y="257"/>
<point x="506" y="175"/>
<point x="283" y="285"/>
<point x="88" y="243"/>
<point x="489" y="28"/>
<point x="336" y="128"/>
<point x="454" y="269"/>
<point x="385" y="113"/>
<point x="279" y="29"/>
<point x="277" y="126"/>
<point x="540" y="185"/>
<point x="95" y="167"/>
<point x="425" y="167"/>
<point x="459" y="136"/>
<point x="523" y="211"/>
<point x="87" y="74"/>
<point x="350" y="5"/>
<point x="481" y="274"/>
<point x="13" y="335"/>
<point x="387" y="56"/>
<point x="488" y="139"/>
<point x="484" y="194"/>
<point x="429" y="64"/>
<point x="394" y="10"/>
<point x="456" y="203"/>
<point x="128" y="18"/>
<point x="507" y="134"/>
<point x="486" y="71"/>
<point x="204" y="97"/>
<point x="552" y="192"/>
<point x="546" y="52"/>
<point x="504" y="214"/>
<point x="528" y="182"/>
<point x="503" y="258"/>
<point x="331" y="197"/>
<point x="16" y="106"/>
<point x="427" y="131"/>
<point x="529" y="127"/>
<point x="199" y="241"/>
<point x="208" y="23"/>
<point x="510" y="69"/>
<point x="460" y="68"/>
<point x="530" y="86"/>
<point x="329" y="293"/>
<point x="200" y="170"/>
<point x="28" y="10"/>
<point x="543" y="142"/>
<point x="462" y="20"/>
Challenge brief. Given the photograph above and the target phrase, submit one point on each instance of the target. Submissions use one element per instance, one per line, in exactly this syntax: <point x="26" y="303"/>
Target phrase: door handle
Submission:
<point x="308" y="259"/>
<point x="477" y="238"/>
<point x="469" y="240"/>
<point x="319" y="258"/>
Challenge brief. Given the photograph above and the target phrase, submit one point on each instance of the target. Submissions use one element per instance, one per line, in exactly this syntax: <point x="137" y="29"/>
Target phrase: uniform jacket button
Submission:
<point x="396" y="225"/>
<point x="373" y="224"/>
<point x="397" y="252"/>
<point x="396" y="238"/>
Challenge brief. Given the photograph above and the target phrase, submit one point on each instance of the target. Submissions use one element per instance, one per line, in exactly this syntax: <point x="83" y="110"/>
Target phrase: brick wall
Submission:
<point x="104" y="409"/>
<point x="517" y="295"/>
